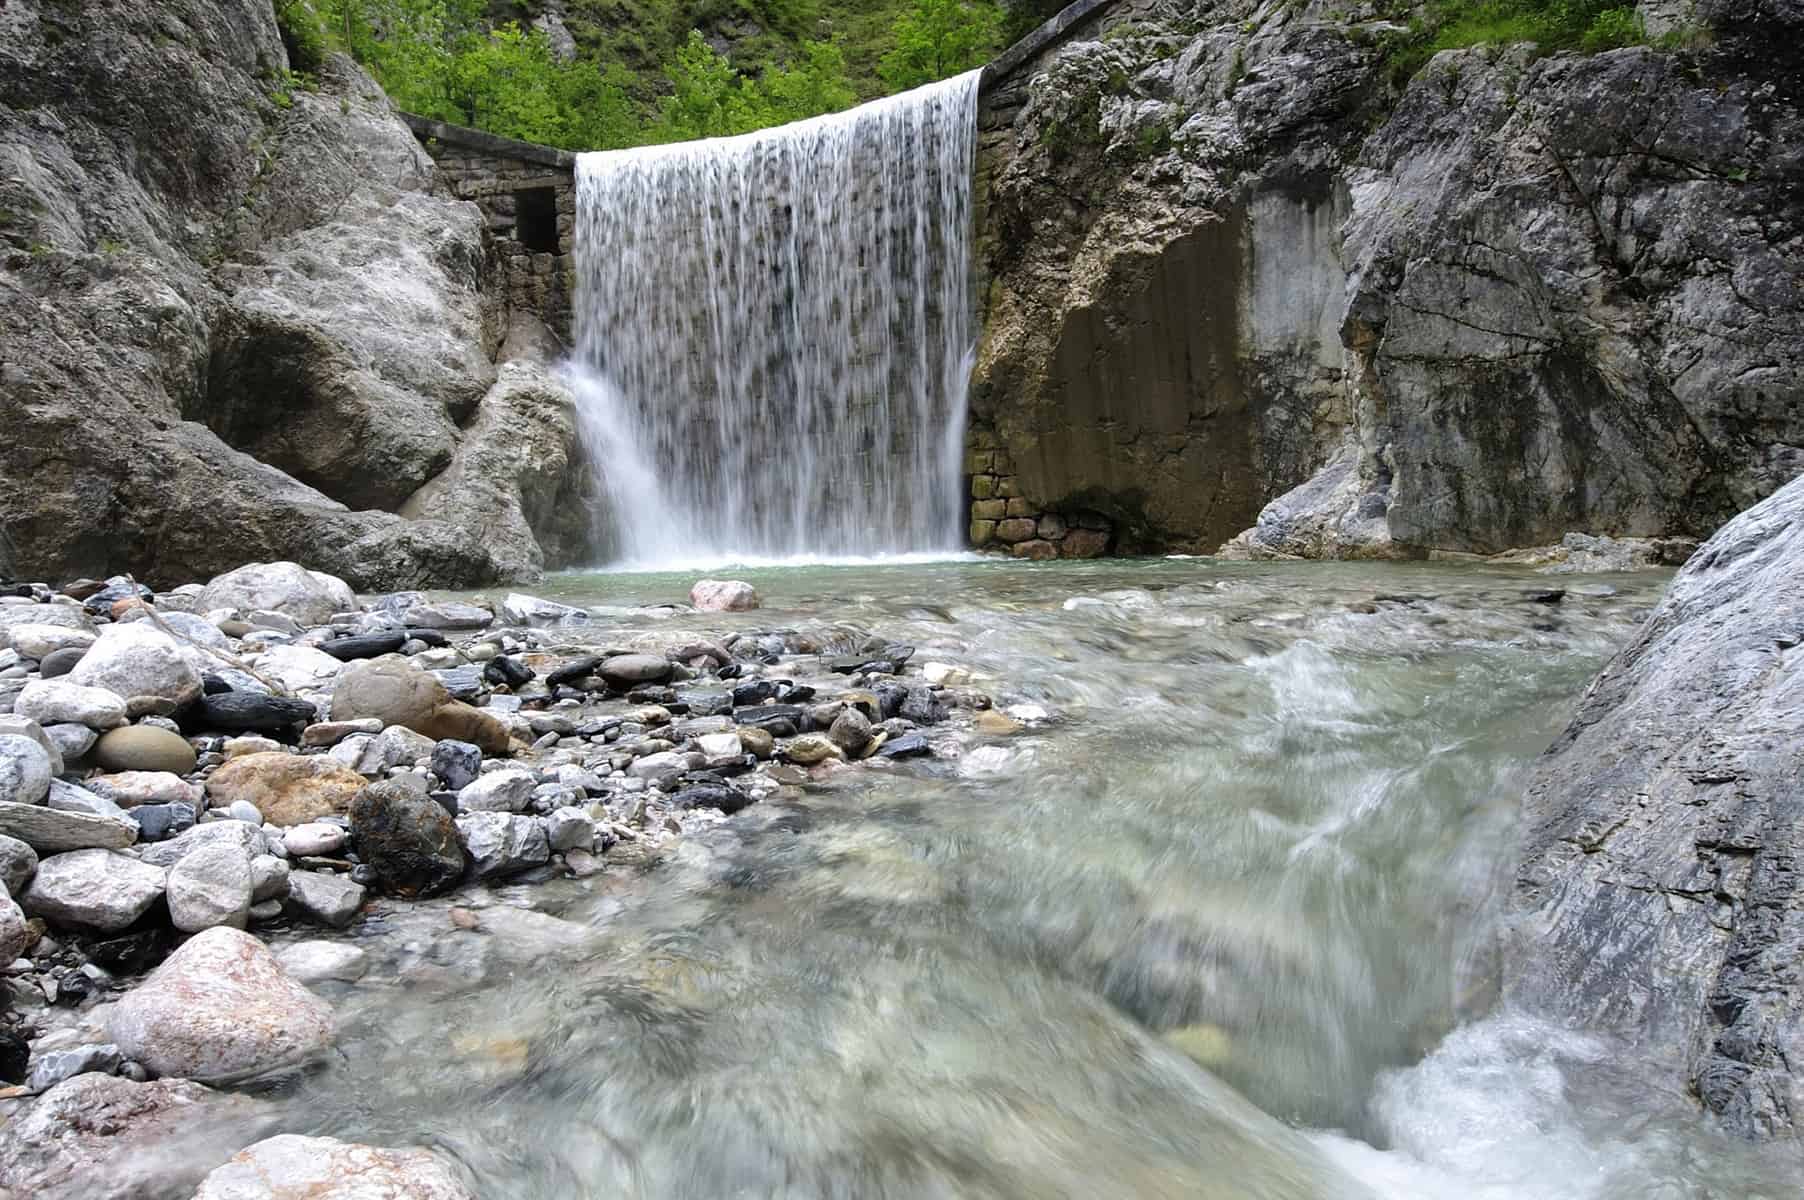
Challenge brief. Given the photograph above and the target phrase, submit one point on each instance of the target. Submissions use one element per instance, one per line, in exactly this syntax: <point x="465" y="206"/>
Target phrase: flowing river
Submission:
<point x="1211" y="925"/>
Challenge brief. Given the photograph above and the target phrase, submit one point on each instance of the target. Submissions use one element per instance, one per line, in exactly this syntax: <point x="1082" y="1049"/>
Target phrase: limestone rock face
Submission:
<point x="1235" y="283"/>
<point x="163" y="292"/>
<point x="291" y="1166"/>
<point x="221" y="1008"/>
<point x="509" y="482"/>
<point x="1658" y="896"/>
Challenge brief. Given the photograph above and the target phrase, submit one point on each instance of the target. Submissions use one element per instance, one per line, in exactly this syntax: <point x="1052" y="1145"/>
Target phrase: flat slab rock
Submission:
<point x="292" y="1168"/>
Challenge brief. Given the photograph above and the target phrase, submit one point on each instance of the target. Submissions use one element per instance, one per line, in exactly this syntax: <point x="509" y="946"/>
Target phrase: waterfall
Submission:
<point x="774" y="335"/>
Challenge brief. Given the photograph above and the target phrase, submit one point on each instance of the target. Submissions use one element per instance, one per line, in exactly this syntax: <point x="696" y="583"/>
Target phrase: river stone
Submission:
<point x="851" y="732"/>
<point x="94" y="890"/>
<point x="211" y="886"/>
<point x="312" y="841"/>
<point x="130" y="788"/>
<point x="723" y="595"/>
<point x="809" y="749"/>
<point x="269" y="878"/>
<point x="24" y="770"/>
<point x="409" y="840"/>
<point x="18" y="862"/>
<point x="297" y="668"/>
<point x="500" y="844"/>
<point x="158" y="822"/>
<point x="104" y="1137"/>
<point x="287" y="789"/>
<point x="364" y="645"/>
<point x="396" y="692"/>
<point x="144" y="748"/>
<point x="238" y="712"/>
<point x="248" y="839"/>
<point x="531" y="610"/>
<point x="757" y="741"/>
<point x="221" y="1009"/>
<point x="48" y="831"/>
<point x="661" y="770"/>
<point x="623" y="672"/>
<point x="54" y="702"/>
<point x="449" y="616"/>
<point x="330" y="733"/>
<point x="324" y="962"/>
<point x="72" y="742"/>
<point x="309" y="597"/>
<point x="457" y="763"/>
<point x="13" y="934"/>
<point x="570" y="829"/>
<point x="59" y="663"/>
<point x="25" y="727"/>
<point x="72" y="797"/>
<point x="324" y="897"/>
<point x="62" y="616"/>
<point x="302" y="1168"/>
<point x="138" y="660"/>
<point x="41" y="641"/>
<point x="498" y="791"/>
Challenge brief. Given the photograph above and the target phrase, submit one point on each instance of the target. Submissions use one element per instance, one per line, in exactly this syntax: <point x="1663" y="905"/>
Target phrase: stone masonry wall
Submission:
<point x="494" y="172"/>
<point x="1003" y="519"/>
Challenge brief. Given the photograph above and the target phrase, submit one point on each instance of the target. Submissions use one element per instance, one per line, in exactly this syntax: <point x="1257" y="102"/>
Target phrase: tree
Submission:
<point x="940" y="38"/>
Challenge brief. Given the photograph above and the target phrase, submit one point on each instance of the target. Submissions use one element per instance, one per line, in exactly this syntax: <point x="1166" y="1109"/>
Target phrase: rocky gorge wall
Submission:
<point x="239" y="320"/>
<point x="1241" y="289"/>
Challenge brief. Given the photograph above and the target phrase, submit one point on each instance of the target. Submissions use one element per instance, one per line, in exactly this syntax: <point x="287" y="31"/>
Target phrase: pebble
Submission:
<point x="244" y="810"/>
<point x="305" y="840"/>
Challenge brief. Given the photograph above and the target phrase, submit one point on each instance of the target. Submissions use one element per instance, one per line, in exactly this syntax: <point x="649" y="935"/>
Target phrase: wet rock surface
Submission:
<point x="1658" y="897"/>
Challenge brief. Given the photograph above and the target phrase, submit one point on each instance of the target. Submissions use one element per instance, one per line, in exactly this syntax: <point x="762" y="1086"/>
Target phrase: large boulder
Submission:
<point x="221" y="1009"/>
<point x="268" y="274"/>
<point x="138" y="660"/>
<point x="310" y="597"/>
<point x="1659" y="897"/>
<point x="291" y="1167"/>
<point x="407" y="838"/>
<point x="93" y="890"/>
<point x="102" y="1137"/>
<point x="288" y="789"/>
<point x="54" y="702"/>
<point x="396" y="692"/>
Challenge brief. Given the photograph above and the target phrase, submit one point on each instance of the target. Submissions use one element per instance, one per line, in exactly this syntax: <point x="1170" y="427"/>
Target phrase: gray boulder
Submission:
<point x="55" y="702"/>
<point x="324" y="897"/>
<point x="210" y="886"/>
<point x="49" y="830"/>
<point x="498" y="791"/>
<point x="290" y="1166"/>
<point x="138" y="660"/>
<point x="24" y="770"/>
<point x="501" y="844"/>
<point x="310" y="597"/>
<point x="18" y="862"/>
<point x="13" y="934"/>
<point x="1658" y="896"/>
<point x="220" y="1009"/>
<point x="93" y="890"/>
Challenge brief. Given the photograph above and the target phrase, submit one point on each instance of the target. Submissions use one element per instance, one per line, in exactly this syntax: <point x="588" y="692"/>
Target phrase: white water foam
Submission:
<point x="774" y="336"/>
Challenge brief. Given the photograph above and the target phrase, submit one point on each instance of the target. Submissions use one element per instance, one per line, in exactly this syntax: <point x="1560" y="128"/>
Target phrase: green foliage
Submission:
<point x="936" y="39"/>
<point x="1552" y="25"/>
<point x="304" y="34"/>
<point x="709" y="98"/>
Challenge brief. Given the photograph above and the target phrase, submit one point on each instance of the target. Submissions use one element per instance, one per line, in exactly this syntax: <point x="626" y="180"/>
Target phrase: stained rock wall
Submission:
<point x="235" y="323"/>
<point x="1239" y="286"/>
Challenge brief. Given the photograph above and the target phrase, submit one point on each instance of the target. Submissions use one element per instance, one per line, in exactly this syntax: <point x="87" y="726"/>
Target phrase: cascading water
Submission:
<point x="774" y="335"/>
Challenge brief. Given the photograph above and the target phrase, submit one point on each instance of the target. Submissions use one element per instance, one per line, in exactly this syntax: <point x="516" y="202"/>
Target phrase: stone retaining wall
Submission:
<point x="527" y="194"/>
<point x="1004" y="520"/>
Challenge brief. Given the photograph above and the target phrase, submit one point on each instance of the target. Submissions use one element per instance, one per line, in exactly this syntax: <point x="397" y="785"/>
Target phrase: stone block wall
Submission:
<point x="527" y="194"/>
<point x="1005" y="521"/>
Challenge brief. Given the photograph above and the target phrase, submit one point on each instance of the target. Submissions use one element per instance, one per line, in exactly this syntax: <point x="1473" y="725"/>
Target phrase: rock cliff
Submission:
<point x="235" y="321"/>
<point x="1237" y="277"/>
<point x="1659" y="896"/>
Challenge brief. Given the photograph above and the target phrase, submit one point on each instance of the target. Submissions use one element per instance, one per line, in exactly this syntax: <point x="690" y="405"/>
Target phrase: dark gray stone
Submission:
<point x="457" y="763"/>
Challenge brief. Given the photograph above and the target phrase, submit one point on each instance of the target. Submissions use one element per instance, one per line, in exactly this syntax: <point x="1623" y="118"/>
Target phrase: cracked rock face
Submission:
<point x="1236" y="280"/>
<point x="1659" y="896"/>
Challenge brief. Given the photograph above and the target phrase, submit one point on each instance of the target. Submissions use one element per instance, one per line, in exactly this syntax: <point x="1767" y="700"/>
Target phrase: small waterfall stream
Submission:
<point x="774" y="335"/>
